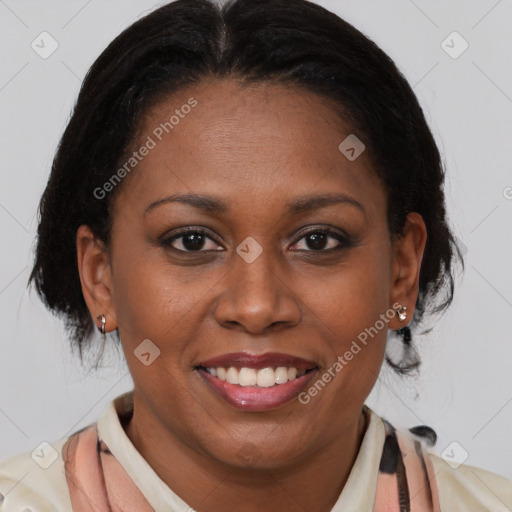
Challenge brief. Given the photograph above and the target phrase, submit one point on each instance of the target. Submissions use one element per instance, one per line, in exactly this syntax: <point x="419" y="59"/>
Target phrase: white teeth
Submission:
<point x="247" y="377"/>
<point x="232" y="376"/>
<point x="281" y="375"/>
<point x="264" y="377"/>
<point x="292" y="373"/>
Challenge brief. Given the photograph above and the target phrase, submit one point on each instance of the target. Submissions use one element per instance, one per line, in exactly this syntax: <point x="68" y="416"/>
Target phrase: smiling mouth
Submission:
<point x="251" y="377"/>
<point x="257" y="382"/>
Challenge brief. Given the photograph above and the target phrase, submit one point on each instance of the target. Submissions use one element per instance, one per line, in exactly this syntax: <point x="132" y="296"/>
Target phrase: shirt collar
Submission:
<point x="357" y="494"/>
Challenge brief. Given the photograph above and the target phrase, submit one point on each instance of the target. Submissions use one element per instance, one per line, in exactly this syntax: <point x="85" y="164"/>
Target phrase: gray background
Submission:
<point x="465" y="389"/>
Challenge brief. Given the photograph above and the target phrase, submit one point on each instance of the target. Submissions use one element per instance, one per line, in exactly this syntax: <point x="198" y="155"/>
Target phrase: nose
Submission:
<point x="256" y="297"/>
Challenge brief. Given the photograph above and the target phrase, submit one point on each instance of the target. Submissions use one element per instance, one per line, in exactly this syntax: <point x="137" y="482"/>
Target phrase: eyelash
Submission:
<point x="344" y="240"/>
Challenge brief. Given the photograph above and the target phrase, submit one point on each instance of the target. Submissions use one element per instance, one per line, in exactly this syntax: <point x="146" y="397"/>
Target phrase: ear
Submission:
<point x="408" y="251"/>
<point x="95" y="277"/>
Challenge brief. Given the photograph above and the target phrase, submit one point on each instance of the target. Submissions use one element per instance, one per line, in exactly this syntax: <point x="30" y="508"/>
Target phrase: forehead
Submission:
<point x="254" y="141"/>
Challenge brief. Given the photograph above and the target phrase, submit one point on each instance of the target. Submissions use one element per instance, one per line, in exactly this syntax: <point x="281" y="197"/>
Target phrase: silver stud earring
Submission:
<point x="402" y="313"/>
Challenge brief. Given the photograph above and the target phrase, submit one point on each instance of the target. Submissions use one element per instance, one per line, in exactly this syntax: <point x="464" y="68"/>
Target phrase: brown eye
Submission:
<point x="192" y="240"/>
<point x="324" y="240"/>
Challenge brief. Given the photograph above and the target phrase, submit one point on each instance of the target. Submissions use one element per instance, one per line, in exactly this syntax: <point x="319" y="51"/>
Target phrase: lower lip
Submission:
<point x="253" y="398"/>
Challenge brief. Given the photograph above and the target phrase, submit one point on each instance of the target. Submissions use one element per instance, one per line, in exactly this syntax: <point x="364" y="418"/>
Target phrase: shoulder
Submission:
<point x="463" y="487"/>
<point x="35" y="480"/>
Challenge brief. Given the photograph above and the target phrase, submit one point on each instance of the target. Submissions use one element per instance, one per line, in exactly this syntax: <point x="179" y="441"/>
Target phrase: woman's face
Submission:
<point x="262" y="278"/>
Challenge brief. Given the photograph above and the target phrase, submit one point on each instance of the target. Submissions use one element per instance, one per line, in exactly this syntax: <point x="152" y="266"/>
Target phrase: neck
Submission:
<point x="204" y="483"/>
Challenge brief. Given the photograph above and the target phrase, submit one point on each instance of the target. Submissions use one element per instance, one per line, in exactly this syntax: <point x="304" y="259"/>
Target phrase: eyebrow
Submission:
<point x="300" y="204"/>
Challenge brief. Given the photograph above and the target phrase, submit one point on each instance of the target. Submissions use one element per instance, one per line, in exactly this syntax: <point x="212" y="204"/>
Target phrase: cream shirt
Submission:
<point x="25" y="486"/>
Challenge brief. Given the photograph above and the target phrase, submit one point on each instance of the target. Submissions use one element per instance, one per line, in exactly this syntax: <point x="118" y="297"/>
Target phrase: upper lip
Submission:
<point x="258" y="361"/>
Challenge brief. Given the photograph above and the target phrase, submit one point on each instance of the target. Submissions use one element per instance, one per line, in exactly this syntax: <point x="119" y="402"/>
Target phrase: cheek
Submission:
<point x="354" y="296"/>
<point x="159" y="301"/>
<point x="353" y="312"/>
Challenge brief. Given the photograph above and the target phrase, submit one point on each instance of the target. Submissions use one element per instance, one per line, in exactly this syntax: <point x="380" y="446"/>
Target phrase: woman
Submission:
<point x="250" y="200"/>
